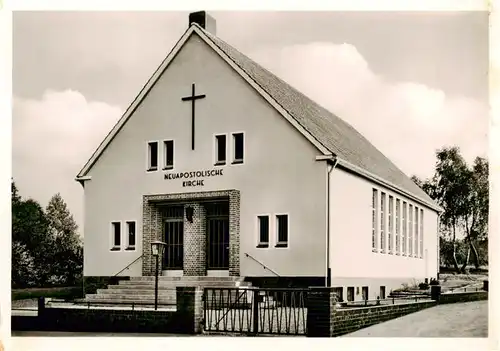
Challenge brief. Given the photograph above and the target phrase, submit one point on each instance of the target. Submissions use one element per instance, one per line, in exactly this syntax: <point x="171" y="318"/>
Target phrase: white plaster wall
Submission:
<point x="351" y="253"/>
<point x="280" y="174"/>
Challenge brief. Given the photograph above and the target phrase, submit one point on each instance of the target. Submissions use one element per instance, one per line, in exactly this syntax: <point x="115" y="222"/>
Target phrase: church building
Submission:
<point x="241" y="175"/>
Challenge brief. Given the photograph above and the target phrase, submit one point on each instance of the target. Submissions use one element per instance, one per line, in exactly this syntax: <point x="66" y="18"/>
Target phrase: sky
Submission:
<point x="410" y="82"/>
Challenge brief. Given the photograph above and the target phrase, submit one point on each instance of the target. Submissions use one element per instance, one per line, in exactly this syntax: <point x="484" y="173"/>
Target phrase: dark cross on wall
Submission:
<point x="193" y="99"/>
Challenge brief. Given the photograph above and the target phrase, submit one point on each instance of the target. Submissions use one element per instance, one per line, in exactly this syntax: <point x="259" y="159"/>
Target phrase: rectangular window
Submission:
<point x="282" y="230"/>
<point x="391" y="224"/>
<point x="374" y="219"/>
<point x="131" y="235"/>
<point x="364" y="291"/>
<point x="416" y="232"/>
<point x="421" y="233"/>
<point x="238" y="144"/>
<point x="382" y="223"/>
<point x="116" y="227"/>
<point x="153" y="156"/>
<point x="263" y="231"/>
<point x="410" y="230"/>
<point x="220" y="150"/>
<point x="382" y="292"/>
<point x="339" y="291"/>
<point x="350" y="293"/>
<point x="168" y="151"/>
<point x="403" y="232"/>
<point x="398" y="225"/>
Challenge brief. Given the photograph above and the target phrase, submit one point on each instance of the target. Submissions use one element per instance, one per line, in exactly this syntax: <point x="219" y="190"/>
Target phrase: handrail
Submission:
<point x="128" y="265"/>
<point x="262" y="264"/>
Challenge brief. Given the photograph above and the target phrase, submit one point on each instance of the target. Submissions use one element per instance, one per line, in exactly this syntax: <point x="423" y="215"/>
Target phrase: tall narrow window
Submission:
<point x="220" y="150"/>
<point x="398" y="225"/>
<point x="382" y="223"/>
<point x="410" y="230"/>
<point x="238" y="142"/>
<point x="350" y="293"/>
<point x="390" y="231"/>
<point x="282" y="230"/>
<point x="263" y="231"/>
<point x="364" y="291"/>
<point x="403" y="232"/>
<point x="382" y="292"/>
<point x="168" y="148"/>
<point x="153" y="156"/>
<point x="339" y="291"/>
<point x="374" y="219"/>
<point x="421" y="233"/>
<point x="116" y="232"/>
<point x="416" y="241"/>
<point x="131" y="235"/>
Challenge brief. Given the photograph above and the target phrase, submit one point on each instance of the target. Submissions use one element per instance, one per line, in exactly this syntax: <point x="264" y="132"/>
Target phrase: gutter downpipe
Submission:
<point x="438" y="248"/>
<point x="330" y="168"/>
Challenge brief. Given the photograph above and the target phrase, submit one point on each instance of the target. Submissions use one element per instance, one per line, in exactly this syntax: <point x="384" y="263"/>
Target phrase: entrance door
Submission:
<point x="173" y="236"/>
<point x="218" y="236"/>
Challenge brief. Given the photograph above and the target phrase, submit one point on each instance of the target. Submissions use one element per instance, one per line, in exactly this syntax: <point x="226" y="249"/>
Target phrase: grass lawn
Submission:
<point x="462" y="320"/>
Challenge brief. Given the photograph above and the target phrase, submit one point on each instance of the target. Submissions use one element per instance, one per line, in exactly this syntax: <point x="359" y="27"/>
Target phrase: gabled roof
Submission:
<point x="329" y="133"/>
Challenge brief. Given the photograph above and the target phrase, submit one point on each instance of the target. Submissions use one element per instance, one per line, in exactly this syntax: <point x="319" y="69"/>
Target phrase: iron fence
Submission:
<point x="255" y="311"/>
<point x="464" y="289"/>
<point x="394" y="300"/>
<point x="85" y="304"/>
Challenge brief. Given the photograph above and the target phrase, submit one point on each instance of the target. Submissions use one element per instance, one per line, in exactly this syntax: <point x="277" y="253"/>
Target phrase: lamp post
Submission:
<point x="157" y="250"/>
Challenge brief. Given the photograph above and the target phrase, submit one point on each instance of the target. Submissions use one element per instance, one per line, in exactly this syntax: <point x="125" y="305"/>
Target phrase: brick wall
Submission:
<point x="186" y="319"/>
<point x="324" y="319"/>
<point x="463" y="297"/>
<point x="320" y="309"/>
<point x="194" y="233"/>
<point x="195" y="238"/>
<point x="349" y="320"/>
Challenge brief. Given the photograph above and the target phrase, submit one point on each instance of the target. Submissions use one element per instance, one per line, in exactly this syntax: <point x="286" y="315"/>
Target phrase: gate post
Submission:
<point x="255" y="312"/>
<point x="189" y="314"/>
<point x="321" y="302"/>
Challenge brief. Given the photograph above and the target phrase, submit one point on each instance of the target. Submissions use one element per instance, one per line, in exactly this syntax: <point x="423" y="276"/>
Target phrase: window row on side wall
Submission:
<point x="280" y="232"/>
<point x="219" y="151"/>
<point x="116" y="235"/>
<point x="402" y="228"/>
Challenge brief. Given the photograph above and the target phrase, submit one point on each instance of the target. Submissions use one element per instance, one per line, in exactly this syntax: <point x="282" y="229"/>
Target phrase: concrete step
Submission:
<point x="161" y="292"/>
<point x="130" y="297"/>
<point x="186" y="278"/>
<point x="121" y="302"/>
<point x="138" y="284"/>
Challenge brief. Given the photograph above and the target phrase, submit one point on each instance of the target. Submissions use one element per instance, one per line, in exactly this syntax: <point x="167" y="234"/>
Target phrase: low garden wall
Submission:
<point x="463" y="297"/>
<point x="325" y="319"/>
<point x="349" y="320"/>
<point x="185" y="319"/>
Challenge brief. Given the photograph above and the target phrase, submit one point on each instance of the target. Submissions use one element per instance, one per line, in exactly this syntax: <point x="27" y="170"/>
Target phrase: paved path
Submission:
<point x="463" y="320"/>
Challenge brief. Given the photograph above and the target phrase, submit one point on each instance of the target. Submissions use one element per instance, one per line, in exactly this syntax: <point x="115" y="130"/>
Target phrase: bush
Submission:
<point x="434" y="282"/>
<point x="423" y="286"/>
<point x="66" y="293"/>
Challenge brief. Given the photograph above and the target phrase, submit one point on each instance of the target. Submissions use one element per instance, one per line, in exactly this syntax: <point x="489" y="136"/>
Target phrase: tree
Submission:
<point x="67" y="255"/>
<point x="30" y="242"/>
<point x="462" y="192"/>
<point x="46" y="248"/>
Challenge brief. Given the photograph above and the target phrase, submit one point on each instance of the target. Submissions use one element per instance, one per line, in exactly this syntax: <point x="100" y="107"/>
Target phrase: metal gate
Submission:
<point x="218" y="235"/>
<point x="173" y="236"/>
<point x="255" y="311"/>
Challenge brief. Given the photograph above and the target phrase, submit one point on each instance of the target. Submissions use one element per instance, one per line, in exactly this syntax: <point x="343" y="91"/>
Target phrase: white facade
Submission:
<point x="352" y="258"/>
<point x="281" y="174"/>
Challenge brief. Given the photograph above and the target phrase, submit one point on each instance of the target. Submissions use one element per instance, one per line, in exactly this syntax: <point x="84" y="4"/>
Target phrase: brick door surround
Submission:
<point x="195" y="263"/>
